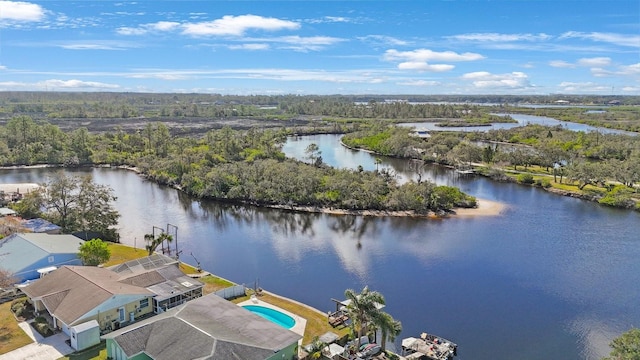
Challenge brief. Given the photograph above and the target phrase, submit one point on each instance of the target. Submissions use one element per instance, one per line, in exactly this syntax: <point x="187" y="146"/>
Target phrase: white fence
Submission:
<point x="232" y="292"/>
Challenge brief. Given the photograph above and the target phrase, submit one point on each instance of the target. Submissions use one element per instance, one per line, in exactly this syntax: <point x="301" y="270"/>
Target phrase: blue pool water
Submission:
<point x="272" y="315"/>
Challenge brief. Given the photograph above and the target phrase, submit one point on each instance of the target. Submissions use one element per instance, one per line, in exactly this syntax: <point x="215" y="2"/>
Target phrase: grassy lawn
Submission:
<point x="11" y="335"/>
<point x="121" y="253"/>
<point x="98" y="352"/>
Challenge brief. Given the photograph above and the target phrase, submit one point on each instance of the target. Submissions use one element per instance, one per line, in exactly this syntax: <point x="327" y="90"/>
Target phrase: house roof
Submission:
<point x="39" y="225"/>
<point x="136" y="266"/>
<point x="6" y="211"/>
<point x="19" y="251"/>
<point x="72" y="291"/>
<point x="205" y="328"/>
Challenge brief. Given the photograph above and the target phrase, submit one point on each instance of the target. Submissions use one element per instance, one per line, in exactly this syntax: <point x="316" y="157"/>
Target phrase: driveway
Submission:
<point x="50" y="348"/>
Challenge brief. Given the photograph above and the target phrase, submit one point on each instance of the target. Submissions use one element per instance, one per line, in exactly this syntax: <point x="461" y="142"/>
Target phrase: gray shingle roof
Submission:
<point x="205" y="328"/>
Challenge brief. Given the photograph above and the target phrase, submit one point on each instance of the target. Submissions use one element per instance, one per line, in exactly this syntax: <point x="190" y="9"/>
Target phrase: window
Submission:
<point x="144" y="303"/>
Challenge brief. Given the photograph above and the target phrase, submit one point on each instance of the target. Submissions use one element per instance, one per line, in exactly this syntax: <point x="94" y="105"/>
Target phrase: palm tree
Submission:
<point x="389" y="327"/>
<point x="363" y="308"/>
<point x="152" y="243"/>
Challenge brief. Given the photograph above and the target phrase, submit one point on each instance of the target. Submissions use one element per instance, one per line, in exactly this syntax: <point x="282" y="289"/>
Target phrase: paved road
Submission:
<point x="50" y="348"/>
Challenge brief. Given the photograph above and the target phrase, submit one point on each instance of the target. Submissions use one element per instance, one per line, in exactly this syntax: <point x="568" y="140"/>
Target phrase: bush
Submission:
<point x="40" y="320"/>
<point x="17" y="304"/>
<point x="545" y="183"/>
<point x="525" y="178"/>
<point x="43" y="329"/>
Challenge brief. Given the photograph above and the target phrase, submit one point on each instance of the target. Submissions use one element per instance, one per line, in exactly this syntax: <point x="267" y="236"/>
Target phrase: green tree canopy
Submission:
<point x="94" y="252"/>
<point x="78" y="204"/>
<point x="626" y="346"/>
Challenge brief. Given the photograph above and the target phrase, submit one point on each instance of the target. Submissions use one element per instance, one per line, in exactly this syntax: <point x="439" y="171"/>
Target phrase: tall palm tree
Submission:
<point x="389" y="327"/>
<point x="363" y="308"/>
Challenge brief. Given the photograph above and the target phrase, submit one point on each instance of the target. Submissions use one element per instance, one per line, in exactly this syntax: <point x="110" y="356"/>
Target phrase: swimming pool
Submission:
<point x="272" y="315"/>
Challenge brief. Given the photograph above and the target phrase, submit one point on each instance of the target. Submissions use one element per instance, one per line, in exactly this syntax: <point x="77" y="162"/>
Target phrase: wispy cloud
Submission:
<point x="611" y="38"/>
<point x="237" y="25"/>
<point x="251" y="47"/>
<point x="383" y="40"/>
<point x="20" y="11"/>
<point x="56" y="84"/>
<point x="583" y="87"/>
<point x="561" y="64"/>
<point x="487" y="80"/>
<point x="496" y="37"/>
<point x="419" y="83"/>
<point x="160" y="26"/>
<point x="96" y="45"/>
<point x="594" y="62"/>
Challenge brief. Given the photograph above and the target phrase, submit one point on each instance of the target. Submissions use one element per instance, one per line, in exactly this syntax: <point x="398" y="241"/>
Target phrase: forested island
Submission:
<point x="228" y="148"/>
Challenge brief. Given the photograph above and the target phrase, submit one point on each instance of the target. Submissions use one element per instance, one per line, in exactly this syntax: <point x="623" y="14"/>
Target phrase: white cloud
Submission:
<point x="616" y="39"/>
<point x="20" y="11"/>
<point x="249" y="47"/>
<point x="419" y="59"/>
<point x="583" y="87"/>
<point x="423" y="66"/>
<point x="237" y="25"/>
<point x="595" y="62"/>
<point x="561" y="64"/>
<point x="633" y="69"/>
<point x="484" y="79"/>
<point x="633" y="89"/>
<point x="2" y="67"/>
<point x="425" y="55"/>
<point x="495" y="37"/>
<point x="76" y="84"/>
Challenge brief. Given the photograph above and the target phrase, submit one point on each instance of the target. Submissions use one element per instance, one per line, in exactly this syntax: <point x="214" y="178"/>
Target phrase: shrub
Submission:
<point x="545" y="183"/>
<point x="17" y="304"/>
<point x="40" y="320"/>
<point x="525" y="178"/>
<point x="43" y="329"/>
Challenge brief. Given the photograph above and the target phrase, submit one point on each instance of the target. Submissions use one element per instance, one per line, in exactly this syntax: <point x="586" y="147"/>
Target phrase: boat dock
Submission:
<point x="428" y="346"/>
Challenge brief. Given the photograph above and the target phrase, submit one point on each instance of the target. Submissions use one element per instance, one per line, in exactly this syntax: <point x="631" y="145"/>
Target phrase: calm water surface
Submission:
<point x="552" y="277"/>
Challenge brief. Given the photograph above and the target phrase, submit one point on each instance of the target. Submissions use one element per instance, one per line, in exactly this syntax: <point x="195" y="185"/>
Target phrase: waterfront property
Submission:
<point x="73" y="295"/>
<point x="206" y="328"/>
<point x="23" y="254"/>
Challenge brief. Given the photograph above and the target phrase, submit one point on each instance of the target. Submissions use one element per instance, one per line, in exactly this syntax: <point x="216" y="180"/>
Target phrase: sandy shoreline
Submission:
<point x="485" y="208"/>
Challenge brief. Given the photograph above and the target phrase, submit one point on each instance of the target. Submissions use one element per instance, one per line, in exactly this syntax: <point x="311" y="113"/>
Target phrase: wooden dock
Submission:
<point x="428" y="347"/>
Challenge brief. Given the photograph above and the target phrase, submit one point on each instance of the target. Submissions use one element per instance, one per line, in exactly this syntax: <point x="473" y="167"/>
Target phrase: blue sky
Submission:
<point x="323" y="47"/>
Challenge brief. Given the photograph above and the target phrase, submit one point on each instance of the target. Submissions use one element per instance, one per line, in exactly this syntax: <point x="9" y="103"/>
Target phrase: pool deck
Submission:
<point x="298" y="328"/>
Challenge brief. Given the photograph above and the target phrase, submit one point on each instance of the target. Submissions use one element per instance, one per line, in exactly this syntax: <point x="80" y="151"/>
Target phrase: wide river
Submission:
<point x="551" y="277"/>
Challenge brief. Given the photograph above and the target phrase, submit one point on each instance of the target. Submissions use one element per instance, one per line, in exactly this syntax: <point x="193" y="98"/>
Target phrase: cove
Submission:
<point x="551" y="277"/>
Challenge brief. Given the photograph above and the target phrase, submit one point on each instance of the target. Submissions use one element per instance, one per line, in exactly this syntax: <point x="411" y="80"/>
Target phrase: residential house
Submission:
<point x="206" y="328"/>
<point x="42" y="226"/>
<point x="114" y="297"/>
<point x="23" y="254"/>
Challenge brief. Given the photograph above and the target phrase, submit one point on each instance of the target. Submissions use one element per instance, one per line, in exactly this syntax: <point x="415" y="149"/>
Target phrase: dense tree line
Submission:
<point x="240" y="166"/>
<point x="608" y="161"/>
